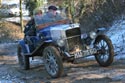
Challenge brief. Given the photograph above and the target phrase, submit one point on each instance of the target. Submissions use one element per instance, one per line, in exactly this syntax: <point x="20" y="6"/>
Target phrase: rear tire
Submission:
<point x="23" y="60"/>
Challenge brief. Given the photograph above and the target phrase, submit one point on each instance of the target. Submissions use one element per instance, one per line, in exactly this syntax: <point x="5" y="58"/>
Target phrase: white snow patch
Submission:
<point x="117" y="35"/>
<point x="10" y="2"/>
<point x="16" y="19"/>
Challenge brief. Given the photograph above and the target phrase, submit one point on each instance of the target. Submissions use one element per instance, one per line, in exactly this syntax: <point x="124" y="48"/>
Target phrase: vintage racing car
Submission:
<point x="64" y="42"/>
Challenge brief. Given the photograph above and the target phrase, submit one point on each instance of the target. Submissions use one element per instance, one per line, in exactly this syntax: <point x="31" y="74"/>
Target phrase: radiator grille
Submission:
<point x="73" y="39"/>
<point x="73" y="32"/>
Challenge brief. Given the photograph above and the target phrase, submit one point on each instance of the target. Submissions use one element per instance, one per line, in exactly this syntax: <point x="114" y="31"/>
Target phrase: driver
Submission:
<point x="51" y="17"/>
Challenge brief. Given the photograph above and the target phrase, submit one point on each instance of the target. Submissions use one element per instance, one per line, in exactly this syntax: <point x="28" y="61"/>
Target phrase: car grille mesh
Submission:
<point x="73" y="39"/>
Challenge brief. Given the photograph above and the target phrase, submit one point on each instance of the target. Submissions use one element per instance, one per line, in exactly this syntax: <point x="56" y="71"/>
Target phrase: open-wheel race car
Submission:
<point x="64" y="42"/>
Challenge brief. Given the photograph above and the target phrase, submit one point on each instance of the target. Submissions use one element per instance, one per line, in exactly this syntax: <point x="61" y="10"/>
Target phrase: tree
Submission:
<point x="73" y="9"/>
<point x="21" y="17"/>
<point x="70" y="9"/>
<point x="33" y="4"/>
<point x="0" y="2"/>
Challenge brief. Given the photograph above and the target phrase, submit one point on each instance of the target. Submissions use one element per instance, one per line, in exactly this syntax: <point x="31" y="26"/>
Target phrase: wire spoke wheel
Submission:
<point x="52" y="61"/>
<point x="105" y="51"/>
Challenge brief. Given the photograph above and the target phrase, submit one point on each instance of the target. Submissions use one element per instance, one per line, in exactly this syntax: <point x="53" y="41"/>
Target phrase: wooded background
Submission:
<point x="91" y="14"/>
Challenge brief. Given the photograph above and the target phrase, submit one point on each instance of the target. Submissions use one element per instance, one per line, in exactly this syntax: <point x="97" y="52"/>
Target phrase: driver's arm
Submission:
<point x="51" y="23"/>
<point x="42" y="25"/>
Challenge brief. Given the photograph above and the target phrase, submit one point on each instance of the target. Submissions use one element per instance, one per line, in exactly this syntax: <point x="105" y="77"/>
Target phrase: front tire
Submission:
<point x="53" y="61"/>
<point x="105" y="51"/>
<point x="23" y="60"/>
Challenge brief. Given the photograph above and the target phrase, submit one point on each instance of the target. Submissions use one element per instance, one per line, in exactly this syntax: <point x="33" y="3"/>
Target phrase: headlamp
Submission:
<point x="60" y="42"/>
<point x="93" y="35"/>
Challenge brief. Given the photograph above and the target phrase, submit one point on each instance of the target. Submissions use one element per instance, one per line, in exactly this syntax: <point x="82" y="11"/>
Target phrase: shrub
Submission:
<point x="100" y="13"/>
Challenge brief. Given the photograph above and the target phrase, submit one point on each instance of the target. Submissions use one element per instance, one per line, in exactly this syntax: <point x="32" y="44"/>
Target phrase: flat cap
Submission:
<point x="52" y="7"/>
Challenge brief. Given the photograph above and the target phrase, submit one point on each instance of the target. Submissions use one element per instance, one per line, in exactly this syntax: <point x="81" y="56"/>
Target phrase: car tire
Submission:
<point x="105" y="49"/>
<point x="23" y="60"/>
<point x="52" y="61"/>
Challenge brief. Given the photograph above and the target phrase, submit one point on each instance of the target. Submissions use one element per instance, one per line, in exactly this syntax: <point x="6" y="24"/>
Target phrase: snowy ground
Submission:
<point x="87" y="72"/>
<point x="117" y="35"/>
<point x="15" y="19"/>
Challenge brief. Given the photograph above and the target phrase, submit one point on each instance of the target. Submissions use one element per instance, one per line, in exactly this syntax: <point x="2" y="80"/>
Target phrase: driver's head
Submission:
<point x="52" y="9"/>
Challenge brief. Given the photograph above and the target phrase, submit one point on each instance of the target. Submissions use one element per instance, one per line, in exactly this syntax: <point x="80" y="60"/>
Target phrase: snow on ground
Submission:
<point x="10" y="2"/>
<point x="15" y="19"/>
<point x="117" y="35"/>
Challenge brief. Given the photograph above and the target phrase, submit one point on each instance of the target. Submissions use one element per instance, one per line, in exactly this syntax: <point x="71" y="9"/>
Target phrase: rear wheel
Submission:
<point x="105" y="51"/>
<point x="53" y="61"/>
<point x="23" y="60"/>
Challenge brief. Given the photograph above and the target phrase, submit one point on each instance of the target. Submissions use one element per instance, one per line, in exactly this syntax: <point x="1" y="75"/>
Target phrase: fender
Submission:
<point x="99" y="36"/>
<point x="40" y="48"/>
<point x="48" y="41"/>
<point x="45" y="43"/>
<point x="101" y="31"/>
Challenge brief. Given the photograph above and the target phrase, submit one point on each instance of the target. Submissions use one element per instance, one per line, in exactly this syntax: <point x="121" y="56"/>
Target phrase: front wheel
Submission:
<point x="105" y="49"/>
<point x="53" y="61"/>
<point x="23" y="60"/>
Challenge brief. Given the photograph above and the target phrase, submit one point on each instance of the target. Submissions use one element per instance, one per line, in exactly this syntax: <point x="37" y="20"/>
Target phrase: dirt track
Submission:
<point x="87" y="72"/>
